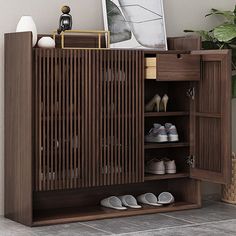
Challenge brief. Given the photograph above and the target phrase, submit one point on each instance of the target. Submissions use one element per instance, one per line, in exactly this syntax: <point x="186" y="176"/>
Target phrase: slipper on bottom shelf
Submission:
<point x="165" y="198"/>
<point x="113" y="203"/>
<point x="149" y="199"/>
<point x="129" y="201"/>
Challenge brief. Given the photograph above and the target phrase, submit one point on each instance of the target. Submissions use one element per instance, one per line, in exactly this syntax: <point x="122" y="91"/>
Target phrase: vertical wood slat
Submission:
<point x="44" y="122"/>
<point x="72" y="136"/>
<point x="51" y="120"/>
<point x="115" y="85"/>
<point x="67" y="82"/>
<point x="55" y="120"/>
<point x="78" y="115"/>
<point x="37" y="119"/>
<point x="59" y="120"/>
<point x="90" y="120"/>
<point x="40" y="119"/>
<point x="75" y="117"/>
<point x="111" y="135"/>
<point x="63" y="120"/>
<point x="101" y="138"/>
<point x="119" y="119"/>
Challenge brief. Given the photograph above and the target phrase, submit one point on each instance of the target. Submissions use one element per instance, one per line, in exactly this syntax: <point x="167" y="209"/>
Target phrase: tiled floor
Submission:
<point x="214" y="219"/>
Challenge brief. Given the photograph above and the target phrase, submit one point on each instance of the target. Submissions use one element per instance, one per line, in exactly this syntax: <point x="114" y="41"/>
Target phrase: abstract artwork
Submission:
<point x="135" y="23"/>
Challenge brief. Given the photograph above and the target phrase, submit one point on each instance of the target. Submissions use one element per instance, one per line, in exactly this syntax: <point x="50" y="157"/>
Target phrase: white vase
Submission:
<point x="25" y="24"/>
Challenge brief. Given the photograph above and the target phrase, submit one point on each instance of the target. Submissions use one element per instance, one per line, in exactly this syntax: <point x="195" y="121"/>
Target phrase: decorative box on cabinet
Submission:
<point x="75" y="125"/>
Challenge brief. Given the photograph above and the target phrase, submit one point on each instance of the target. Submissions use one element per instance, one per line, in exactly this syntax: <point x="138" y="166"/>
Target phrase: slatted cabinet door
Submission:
<point x="211" y="146"/>
<point x="89" y="118"/>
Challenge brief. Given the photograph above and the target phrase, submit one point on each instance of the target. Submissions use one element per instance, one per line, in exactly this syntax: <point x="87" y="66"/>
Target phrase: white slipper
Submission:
<point x="149" y="199"/>
<point x="166" y="198"/>
<point x="113" y="202"/>
<point x="129" y="201"/>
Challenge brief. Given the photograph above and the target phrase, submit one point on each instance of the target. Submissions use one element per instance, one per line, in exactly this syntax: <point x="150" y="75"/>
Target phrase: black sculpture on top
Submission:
<point x="65" y="22"/>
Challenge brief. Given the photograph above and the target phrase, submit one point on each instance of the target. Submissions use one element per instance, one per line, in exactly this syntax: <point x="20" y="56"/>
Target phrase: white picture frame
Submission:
<point x="135" y="24"/>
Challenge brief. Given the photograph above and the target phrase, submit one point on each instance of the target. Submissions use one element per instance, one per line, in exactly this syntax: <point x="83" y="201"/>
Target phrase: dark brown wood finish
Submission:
<point x="118" y="77"/>
<point x="56" y="207"/>
<point x="82" y="118"/>
<point x="19" y="133"/>
<point x="185" y="43"/>
<point x="212" y="131"/>
<point x="178" y="67"/>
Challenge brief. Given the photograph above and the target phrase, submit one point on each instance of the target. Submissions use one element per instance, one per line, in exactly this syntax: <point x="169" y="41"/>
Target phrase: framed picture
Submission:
<point x="135" y="23"/>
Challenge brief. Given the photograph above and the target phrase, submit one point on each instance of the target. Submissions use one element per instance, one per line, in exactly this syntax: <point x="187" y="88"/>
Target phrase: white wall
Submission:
<point x="87" y="14"/>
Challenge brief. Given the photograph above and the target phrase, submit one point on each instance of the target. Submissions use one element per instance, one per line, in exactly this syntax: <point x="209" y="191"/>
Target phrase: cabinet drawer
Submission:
<point x="178" y="67"/>
<point x="151" y="68"/>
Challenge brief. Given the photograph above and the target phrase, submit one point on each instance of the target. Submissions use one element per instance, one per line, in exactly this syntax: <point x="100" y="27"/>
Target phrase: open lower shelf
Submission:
<point x="160" y="114"/>
<point x="150" y="177"/>
<point x="165" y="145"/>
<point x="68" y="215"/>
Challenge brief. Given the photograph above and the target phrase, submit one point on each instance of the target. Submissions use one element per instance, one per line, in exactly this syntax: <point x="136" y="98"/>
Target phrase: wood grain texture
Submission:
<point x="18" y="127"/>
<point x="81" y="205"/>
<point x="81" y="116"/>
<point x="178" y="67"/>
<point x="64" y="216"/>
<point x="89" y="147"/>
<point x="212" y="144"/>
<point x="184" y="43"/>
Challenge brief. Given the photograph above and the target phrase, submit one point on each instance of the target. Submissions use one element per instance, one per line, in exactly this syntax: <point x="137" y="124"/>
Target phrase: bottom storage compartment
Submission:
<point x="56" y="207"/>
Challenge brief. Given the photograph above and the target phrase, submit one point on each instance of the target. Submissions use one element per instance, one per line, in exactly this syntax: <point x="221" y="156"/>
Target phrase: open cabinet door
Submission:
<point x="211" y="119"/>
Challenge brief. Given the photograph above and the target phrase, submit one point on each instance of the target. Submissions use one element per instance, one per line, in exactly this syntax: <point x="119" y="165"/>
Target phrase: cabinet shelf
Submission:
<point x="68" y="215"/>
<point x="165" y="145"/>
<point x="150" y="177"/>
<point x="162" y="114"/>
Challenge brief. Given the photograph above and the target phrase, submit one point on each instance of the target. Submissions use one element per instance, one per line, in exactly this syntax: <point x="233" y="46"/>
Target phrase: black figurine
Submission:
<point x="65" y="22"/>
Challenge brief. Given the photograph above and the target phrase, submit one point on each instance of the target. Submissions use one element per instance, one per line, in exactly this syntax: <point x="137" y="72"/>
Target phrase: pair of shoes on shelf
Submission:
<point x="157" y="103"/>
<point x="160" y="134"/>
<point x="128" y="201"/>
<point x="121" y="202"/>
<point x="160" y="167"/>
<point x="151" y="199"/>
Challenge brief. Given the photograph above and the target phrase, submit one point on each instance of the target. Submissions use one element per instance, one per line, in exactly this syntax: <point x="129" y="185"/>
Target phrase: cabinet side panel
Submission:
<point x="18" y="127"/>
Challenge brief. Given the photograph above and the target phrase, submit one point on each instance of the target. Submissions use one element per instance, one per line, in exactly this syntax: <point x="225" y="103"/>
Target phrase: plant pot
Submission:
<point x="234" y="84"/>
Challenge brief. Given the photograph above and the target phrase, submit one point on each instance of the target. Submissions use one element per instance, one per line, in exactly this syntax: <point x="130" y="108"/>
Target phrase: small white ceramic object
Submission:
<point x="26" y="24"/>
<point x="46" y="42"/>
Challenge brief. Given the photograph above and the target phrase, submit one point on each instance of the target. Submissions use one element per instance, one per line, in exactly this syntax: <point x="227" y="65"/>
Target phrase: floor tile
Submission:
<point x="227" y="228"/>
<point x="136" y="223"/>
<point x="10" y="228"/>
<point x="75" y="229"/>
<point x="214" y="219"/>
<point x="211" y="211"/>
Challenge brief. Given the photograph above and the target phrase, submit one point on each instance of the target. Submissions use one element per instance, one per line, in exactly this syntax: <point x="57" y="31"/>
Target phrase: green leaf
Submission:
<point x="235" y="14"/>
<point x="225" y="33"/>
<point x="232" y="46"/>
<point x="229" y="15"/>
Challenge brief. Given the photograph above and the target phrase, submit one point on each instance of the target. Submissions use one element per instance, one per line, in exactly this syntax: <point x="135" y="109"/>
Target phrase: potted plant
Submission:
<point x="222" y="36"/>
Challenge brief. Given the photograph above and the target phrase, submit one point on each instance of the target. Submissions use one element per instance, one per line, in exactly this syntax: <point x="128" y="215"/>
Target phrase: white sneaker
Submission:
<point x="170" y="166"/>
<point x="171" y="132"/>
<point x="155" y="167"/>
<point x="157" y="134"/>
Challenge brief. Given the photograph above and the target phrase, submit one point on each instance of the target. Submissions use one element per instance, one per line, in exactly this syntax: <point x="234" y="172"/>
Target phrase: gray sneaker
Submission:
<point x="171" y="132"/>
<point x="157" y="134"/>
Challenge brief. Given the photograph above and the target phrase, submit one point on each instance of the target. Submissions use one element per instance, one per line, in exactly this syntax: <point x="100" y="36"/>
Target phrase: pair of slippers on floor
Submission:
<point x="122" y="202"/>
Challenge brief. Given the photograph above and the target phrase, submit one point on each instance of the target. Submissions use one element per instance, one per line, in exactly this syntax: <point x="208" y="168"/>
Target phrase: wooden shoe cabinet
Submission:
<point x="75" y="125"/>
